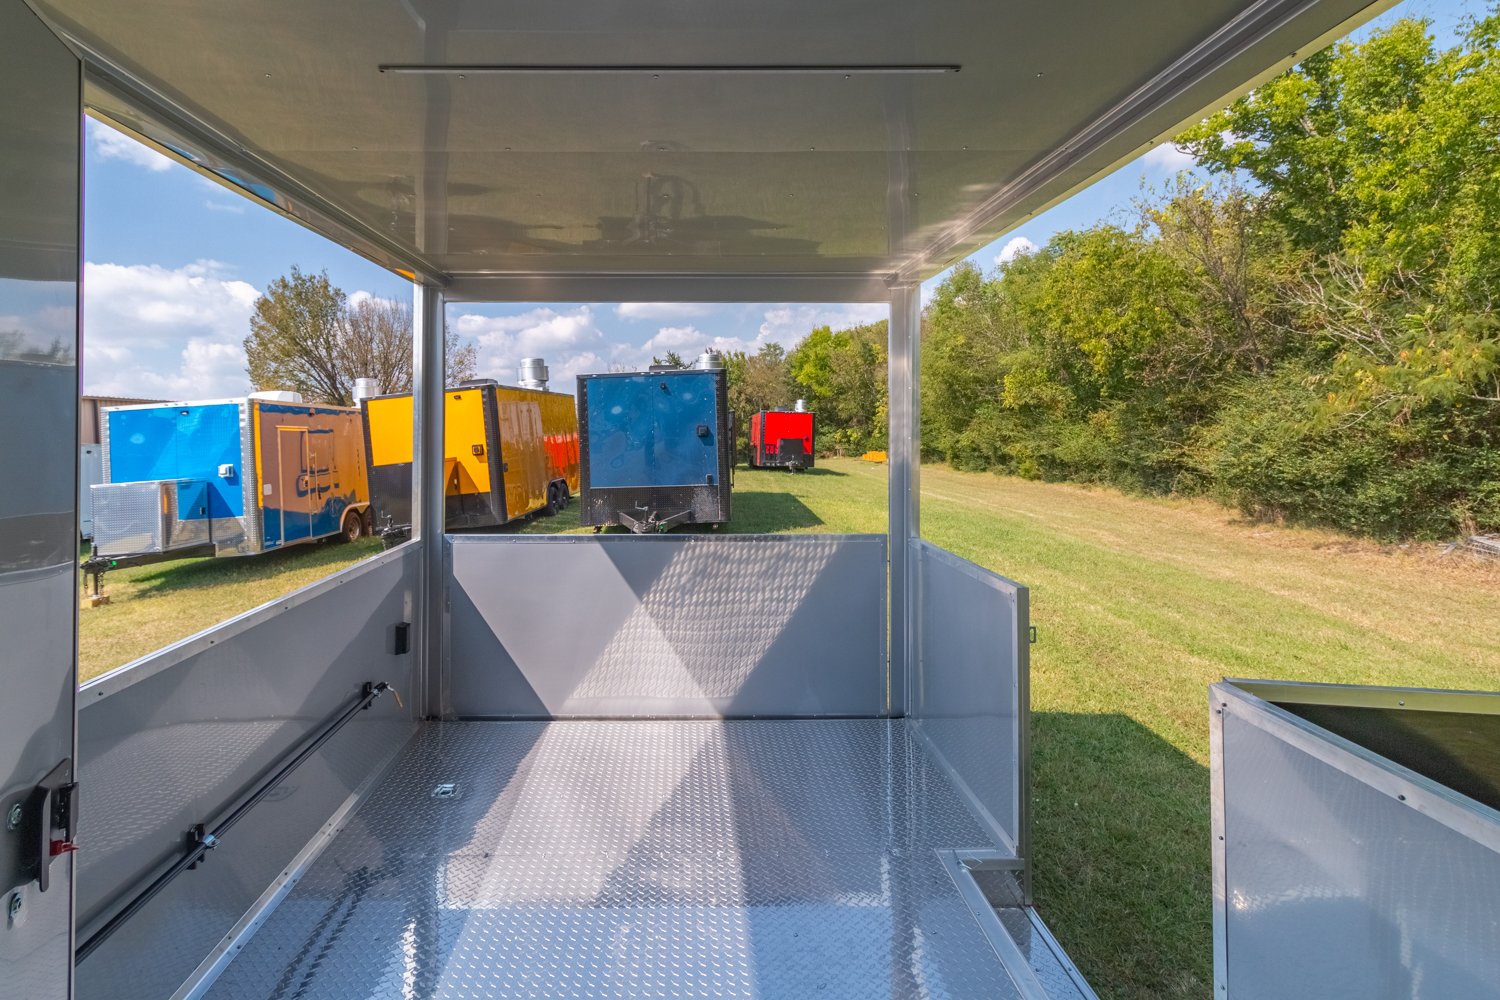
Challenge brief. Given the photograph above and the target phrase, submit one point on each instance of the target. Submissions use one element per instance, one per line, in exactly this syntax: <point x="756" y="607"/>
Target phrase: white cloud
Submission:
<point x="787" y="324"/>
<point x="1016" y="247"/>
<point x="661" y="310"/>
<point x="1169" y="158"/>
<point x="112" y="144"/>
<point x="573" y="343"/>
<point x="570" y="341"/>
<point x="675" y="338"/>
<point x="151" y="331"/>
<point x="222" y="206"/>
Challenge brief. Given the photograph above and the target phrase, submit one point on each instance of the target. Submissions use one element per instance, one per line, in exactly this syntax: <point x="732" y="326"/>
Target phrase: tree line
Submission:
<point x="1311" y="335"/>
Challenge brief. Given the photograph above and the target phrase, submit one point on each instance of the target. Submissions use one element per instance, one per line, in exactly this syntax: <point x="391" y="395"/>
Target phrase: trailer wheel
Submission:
<point x="554" y="501"/>
<point x="354" y="526"/>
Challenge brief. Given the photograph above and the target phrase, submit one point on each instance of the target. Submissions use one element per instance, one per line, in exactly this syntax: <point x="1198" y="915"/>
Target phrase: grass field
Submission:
<point x="1139" y="604"/>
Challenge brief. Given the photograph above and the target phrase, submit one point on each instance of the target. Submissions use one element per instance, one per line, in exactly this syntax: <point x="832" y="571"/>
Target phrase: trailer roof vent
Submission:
<point x="365" y="388"/>
<point x="709" y="361"/>
<point x="800" y="406"/>
<point x="472" y="383"/>
<point x="278" y="396"/>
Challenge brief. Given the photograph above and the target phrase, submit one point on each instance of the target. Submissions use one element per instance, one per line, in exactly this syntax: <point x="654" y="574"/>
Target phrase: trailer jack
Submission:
<point x="651" y="524"/>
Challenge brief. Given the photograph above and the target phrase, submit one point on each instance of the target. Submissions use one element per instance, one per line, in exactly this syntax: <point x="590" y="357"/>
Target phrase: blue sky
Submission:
<point x="174" y="264"/>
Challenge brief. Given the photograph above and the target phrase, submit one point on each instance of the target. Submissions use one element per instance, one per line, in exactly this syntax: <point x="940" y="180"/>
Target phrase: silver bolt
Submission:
<point x="13" y="908"/>
<point x="13" y="818"/>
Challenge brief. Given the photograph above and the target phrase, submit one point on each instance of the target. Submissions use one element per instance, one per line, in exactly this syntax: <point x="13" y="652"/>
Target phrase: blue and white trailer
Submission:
<point x="227" y="477"/>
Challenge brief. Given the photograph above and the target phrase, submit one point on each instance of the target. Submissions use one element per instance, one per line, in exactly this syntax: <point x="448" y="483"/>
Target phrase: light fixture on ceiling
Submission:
<point x="894" y="69"/>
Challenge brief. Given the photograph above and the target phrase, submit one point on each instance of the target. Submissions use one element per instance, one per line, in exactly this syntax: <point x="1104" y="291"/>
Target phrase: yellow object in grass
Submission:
<point x="873" y="456"/>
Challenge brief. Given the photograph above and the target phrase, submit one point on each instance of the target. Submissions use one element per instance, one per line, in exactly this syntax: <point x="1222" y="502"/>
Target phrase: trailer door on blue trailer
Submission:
<point x="656" y="429"/>
<point x="656" y="448"/>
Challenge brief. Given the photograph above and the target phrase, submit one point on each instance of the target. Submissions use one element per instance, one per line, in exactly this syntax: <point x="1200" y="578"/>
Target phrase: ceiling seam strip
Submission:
<point x="123" y="85"/>
<point x="1232" y="40"/>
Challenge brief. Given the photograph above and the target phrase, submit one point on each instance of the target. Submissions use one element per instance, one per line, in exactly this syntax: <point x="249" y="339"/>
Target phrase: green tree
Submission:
<point x="294" y="339"/>
<point x="758" y="381"/>
<point x="306" y="336"/>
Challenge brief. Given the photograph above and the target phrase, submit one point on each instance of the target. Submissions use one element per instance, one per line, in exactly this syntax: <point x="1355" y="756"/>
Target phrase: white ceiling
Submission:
<point x="478" y="174"/>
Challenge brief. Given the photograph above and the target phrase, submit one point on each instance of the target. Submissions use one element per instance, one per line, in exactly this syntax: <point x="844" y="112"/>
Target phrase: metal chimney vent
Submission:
<point x="534" y="374"/>
<point x="364" y="388"/>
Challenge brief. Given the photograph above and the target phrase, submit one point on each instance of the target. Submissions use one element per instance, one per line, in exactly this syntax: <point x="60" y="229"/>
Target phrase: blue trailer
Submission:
<point x="656" y="448"/>
<point x="227" y="477"/>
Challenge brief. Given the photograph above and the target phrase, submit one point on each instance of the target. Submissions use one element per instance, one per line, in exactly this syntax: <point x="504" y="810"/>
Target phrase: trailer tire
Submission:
<point x="353" y="528"/>
<point x="554" y="501"/>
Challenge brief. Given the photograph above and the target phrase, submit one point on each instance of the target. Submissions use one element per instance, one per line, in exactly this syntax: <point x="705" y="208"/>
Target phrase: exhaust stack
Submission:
<point x="534" y="374"/>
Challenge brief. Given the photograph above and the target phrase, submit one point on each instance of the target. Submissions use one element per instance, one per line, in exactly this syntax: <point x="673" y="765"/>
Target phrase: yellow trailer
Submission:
<point x="508" y="453"/>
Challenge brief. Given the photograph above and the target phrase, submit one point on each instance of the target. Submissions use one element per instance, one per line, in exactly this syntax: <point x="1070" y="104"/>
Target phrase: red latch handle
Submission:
<point x="62" y="847"/>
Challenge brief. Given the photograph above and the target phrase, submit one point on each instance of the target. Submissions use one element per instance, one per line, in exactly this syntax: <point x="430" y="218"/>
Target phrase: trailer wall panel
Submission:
<point x="969" y="691"/>
<point x="1339" y="873"/>
<point x="667" y="626"/>
<point x="176" y="738"/>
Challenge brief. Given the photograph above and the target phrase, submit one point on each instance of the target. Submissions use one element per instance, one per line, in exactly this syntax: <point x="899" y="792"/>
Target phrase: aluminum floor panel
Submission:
<point x="788" y="859"/>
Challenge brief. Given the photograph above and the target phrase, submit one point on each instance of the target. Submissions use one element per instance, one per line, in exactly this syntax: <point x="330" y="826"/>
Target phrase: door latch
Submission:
<point x="46" y="824"/>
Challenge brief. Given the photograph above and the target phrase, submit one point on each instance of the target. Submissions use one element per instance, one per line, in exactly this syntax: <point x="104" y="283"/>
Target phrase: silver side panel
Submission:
<point x="969" y="693"/>
<point x="175" y="739"/>
<point x="40" y="135"/>
<point x="143" y="517"/>
<point x="1341" y="874"/>
<point x="666" y="626"/>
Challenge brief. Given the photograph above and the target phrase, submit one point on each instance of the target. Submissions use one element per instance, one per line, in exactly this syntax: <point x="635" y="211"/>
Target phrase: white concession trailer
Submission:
<point x="762" y="766"/>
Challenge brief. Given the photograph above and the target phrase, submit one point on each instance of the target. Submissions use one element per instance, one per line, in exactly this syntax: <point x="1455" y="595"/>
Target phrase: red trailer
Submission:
<point x="781" y="439"/>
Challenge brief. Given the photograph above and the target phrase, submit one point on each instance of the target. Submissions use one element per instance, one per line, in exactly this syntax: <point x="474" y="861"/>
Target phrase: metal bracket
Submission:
<point x="46" y="824"/>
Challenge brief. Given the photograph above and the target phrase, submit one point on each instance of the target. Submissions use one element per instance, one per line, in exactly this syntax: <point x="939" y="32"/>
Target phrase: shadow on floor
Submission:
<point x="755" y="512"/>
<point x="1122" y="865"/>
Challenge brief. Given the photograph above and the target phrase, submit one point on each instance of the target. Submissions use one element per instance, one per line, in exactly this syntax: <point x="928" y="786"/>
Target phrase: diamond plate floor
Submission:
<point x="786" y="859"/>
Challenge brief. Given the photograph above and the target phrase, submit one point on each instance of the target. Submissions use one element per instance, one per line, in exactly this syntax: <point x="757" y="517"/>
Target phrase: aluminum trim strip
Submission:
<point x="744" y="286"/>
<point x="1220" y="871"/>
<point x="622" y="539"/>
<point x="1016" y="965"/>
<point x="1366" y="696"/>
<point x="1040" y="929"/>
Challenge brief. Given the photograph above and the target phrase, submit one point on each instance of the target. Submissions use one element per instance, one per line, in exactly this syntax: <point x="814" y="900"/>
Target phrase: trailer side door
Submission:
<point x="40" y="81"/>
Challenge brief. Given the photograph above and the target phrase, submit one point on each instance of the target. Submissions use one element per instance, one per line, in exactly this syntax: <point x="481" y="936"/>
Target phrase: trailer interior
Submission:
<point x="499" y="766"/>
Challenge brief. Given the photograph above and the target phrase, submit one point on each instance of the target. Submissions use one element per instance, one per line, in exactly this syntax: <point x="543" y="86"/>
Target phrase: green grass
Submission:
<point x="156" y="605"/>
<point x="1139" y="604"/>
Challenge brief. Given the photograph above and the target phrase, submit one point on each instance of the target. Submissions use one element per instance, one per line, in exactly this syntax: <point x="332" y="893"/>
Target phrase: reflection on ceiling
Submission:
<point x="596" y="137"/>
